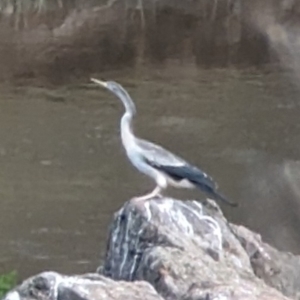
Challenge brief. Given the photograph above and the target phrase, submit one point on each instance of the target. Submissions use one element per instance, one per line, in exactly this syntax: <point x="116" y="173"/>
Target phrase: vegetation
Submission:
<point x="20" y="11"/>
<point x="7" y="282"/>
<point x="27" y="5"/>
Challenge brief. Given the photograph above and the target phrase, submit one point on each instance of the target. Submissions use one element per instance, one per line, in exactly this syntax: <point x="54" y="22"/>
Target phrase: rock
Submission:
<point x="170" y="249"/>
<point x="51" y="285"/>
<point x="186" y="250"/>
<point x="280" y="270"/>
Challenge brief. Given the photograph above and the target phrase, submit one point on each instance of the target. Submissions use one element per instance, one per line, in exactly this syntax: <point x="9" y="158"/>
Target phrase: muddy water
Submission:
<point x="63" y="171"/>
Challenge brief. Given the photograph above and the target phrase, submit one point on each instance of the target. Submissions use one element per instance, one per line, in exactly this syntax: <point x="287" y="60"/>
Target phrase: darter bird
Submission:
<point x="158" y="163"/>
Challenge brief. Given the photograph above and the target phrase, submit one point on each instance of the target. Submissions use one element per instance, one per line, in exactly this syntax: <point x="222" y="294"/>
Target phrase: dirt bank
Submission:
<point x="75" y="40"/>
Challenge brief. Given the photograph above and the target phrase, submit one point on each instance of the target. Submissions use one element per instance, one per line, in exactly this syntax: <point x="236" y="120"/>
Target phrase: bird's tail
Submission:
<point x="211" y="190"/>
<point x="218" y="196"/>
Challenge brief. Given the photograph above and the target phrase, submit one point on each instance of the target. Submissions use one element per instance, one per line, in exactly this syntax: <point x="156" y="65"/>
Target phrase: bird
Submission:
<point x="155" y="161"/>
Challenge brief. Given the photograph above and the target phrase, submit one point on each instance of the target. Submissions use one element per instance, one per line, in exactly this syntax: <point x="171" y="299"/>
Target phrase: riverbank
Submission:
<point x="65" y="43"/>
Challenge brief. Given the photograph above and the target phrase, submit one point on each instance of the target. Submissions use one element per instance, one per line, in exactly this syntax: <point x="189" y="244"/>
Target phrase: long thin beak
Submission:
<point x="103" y="83"/>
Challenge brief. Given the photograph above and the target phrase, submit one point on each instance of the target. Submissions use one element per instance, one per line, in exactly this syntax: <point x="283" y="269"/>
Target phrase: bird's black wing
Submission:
<point x="194" y="175"/>
<point x="174" y="166"/>
<point x="178" y="169"/>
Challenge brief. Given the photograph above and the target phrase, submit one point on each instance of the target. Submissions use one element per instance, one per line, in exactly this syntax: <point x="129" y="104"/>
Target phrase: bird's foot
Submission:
<point x="138" y="199"/>
<point x="147" y="197"/>
<point x="141" y="198"/>
<point x="156" y="193"/>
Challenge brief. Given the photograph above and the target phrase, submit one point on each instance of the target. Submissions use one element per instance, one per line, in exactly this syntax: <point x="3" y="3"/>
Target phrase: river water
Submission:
<point x="64" y="173"/>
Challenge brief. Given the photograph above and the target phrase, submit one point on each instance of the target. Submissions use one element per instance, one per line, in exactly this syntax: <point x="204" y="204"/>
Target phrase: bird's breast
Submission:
<point x="136" y="158"/>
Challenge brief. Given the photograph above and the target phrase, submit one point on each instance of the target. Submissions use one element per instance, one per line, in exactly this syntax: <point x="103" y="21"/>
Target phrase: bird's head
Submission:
<point x="113" y="86"/>
<point x="119" y="91"/>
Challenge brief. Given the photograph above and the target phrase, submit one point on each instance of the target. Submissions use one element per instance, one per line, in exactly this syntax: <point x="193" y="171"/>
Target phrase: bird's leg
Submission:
<point x="155" y="193"/>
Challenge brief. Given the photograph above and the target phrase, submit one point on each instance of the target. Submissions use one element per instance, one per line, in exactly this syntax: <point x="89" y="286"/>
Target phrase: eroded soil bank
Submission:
<point x="68" y="42"/>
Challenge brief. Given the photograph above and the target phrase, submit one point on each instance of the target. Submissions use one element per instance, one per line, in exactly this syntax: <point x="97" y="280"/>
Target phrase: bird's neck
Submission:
<point x="126" y="129"/>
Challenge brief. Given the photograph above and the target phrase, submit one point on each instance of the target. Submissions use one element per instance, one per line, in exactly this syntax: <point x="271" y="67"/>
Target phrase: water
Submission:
<point x="63" y="172"/>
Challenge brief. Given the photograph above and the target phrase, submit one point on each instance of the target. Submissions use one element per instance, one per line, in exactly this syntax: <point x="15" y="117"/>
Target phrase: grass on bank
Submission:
<point x="7" y="282"/>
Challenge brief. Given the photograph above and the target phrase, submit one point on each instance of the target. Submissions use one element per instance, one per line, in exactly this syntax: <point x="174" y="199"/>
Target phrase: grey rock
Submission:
<point x="54" y="286"/>
<point x="186" y="250"/>
<point x="174" y="250"/>
<point x="280" y="270"/>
